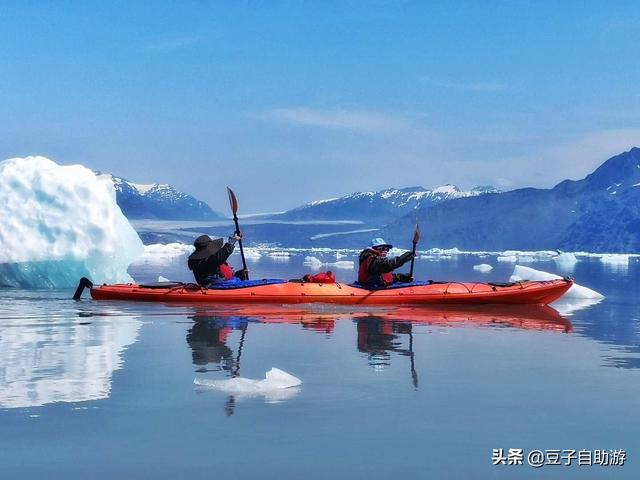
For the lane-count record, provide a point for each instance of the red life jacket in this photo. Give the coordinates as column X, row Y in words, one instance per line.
column 367, row 278
column 225, row 271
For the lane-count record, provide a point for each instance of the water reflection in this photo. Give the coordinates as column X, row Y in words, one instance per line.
column 61, row 359
column 207, row 339
column 378, row 337
column 381, row 332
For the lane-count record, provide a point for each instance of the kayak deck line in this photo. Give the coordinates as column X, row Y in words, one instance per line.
column 528, row 292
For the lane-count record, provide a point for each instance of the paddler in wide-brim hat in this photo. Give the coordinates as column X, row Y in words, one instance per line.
column 209, row 261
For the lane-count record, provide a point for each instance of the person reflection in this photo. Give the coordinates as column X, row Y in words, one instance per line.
column 207, row 339
column 378, row 337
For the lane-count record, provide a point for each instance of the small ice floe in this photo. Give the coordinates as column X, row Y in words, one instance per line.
column 167, row 250
column 444, row 251
column 163, row 279
column 483, row 268
column 565, row 260
column 316, row 263
column 251, row 253
column 160, row 254
column 279, row 254
column 340, row 255
column 507, row 258
column 615, row 258
column 277, row 385
column 576, row 292
column 396, row 252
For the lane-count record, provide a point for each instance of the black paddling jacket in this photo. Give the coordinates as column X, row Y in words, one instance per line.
column 211, row 265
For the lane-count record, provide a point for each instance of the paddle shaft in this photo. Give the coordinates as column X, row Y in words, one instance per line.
column 413, row 259
column 244, row 262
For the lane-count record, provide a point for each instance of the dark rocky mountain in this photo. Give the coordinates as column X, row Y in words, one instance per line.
column 600, row 213
column 159, row 201
column 379, row 207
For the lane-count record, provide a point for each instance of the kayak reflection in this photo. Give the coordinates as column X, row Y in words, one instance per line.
column 322, row 318
column 381, row 332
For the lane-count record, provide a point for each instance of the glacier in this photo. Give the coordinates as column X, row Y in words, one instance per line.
column 61, row 223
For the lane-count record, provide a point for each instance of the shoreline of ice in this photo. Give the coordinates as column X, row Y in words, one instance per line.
column 507, row 256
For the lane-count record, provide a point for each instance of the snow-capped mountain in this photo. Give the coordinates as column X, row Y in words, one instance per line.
column 159, row 201
column 600, row 213
column 382, row 205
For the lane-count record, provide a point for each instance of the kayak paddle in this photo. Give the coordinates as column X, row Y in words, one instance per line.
column 234, row 208
column 416, row 238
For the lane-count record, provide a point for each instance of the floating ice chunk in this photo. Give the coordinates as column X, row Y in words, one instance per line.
column 159, row 253
column 340, row 255
column 251, row 253
column 279, row 254
column 568, row 306
column 566, row 259
column 396, row 252
column 483, row 267
column 277, row 385
column 316, row 263
column 168, row 250
column 346, row 264
column 163, row 279
column 444, row 251
column 526, row 259
column 615, row 258
column 507, row 258
column 575, row 292
column 312, row 262
column 60, row 223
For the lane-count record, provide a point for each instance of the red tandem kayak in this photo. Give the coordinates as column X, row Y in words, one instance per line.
column 280, row 292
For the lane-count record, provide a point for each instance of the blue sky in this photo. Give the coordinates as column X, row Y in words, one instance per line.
column 294, row 101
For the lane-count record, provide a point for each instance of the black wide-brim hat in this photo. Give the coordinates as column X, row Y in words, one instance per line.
column 205, row 247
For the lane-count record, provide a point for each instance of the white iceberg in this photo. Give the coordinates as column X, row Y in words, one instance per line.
column 483, row 267
column 60, row 223
column 575, row 292
column 507, row 258
column 276, row 386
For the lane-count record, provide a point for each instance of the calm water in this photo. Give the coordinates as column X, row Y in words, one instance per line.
column 106, row 390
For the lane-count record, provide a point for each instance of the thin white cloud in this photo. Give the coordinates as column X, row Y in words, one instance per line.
column 338, row 119
column 467, row 86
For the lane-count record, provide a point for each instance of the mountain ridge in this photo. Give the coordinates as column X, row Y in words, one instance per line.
column 600, row 213
column 158, row 201
column 379, row 206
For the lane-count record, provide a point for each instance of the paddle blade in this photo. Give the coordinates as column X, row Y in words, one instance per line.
column 233, row 201
column 416, row 234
